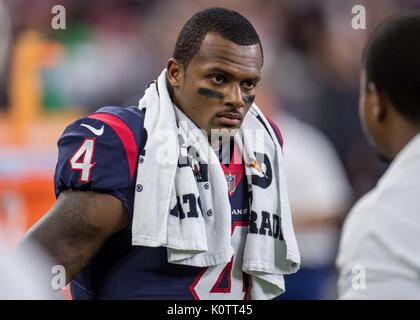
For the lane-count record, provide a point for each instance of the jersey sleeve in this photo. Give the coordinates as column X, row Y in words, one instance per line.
column 99, row 153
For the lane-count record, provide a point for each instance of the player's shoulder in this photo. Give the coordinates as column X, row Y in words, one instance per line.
column 130, row 115
column 99, row 152
column 118, row 118
column 110, row 122
column 110, row 130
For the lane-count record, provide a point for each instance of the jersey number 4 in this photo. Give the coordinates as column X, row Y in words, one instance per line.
column 82, row 159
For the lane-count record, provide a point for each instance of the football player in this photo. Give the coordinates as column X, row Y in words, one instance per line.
column 88, row 230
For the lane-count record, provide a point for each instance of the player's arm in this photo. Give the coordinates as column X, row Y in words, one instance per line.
column 76, row 227
column 313, row 219
column 93, row 182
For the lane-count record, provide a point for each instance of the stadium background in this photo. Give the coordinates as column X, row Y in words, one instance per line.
column 110, row 50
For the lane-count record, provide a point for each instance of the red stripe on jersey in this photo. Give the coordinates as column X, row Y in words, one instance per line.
column 125, row 135
column 278, row 131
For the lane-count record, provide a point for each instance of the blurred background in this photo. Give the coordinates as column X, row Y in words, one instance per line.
column 110, row 50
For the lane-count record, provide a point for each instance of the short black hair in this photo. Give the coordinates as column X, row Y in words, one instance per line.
column 391, row 60
column 229, row 24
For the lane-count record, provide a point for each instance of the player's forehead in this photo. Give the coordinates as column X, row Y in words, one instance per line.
column 217, row 52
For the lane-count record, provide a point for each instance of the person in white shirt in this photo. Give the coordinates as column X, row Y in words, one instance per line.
column 379, row 253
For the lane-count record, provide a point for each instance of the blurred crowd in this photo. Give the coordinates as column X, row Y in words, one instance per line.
column 110, row 50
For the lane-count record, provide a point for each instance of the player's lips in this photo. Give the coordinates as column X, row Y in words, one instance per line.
column 229, row 118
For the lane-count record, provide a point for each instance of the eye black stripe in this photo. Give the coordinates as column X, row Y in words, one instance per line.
column 210, row 93
column 248, row 99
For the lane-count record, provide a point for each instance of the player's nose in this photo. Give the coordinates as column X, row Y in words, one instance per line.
column 233, row 97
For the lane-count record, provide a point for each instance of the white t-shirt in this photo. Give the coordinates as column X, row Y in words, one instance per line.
column 317, row 184
column 379, row 253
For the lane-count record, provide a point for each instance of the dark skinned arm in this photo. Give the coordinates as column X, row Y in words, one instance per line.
column 313, row 219
column 76, row 227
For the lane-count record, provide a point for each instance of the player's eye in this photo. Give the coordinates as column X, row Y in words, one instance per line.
column 248, row 85
column 218, row 79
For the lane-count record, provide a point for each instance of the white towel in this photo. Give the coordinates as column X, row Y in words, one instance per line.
column 176, row 192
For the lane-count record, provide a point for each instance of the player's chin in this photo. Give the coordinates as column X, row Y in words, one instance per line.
column 224, row 130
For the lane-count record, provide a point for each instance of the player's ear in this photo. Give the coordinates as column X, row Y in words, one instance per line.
column 175, row 72
column 377, row 103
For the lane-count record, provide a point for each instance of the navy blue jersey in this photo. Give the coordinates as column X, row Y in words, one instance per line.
column 99, row 153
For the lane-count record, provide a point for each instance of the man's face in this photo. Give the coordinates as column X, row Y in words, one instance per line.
column 219, row 85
